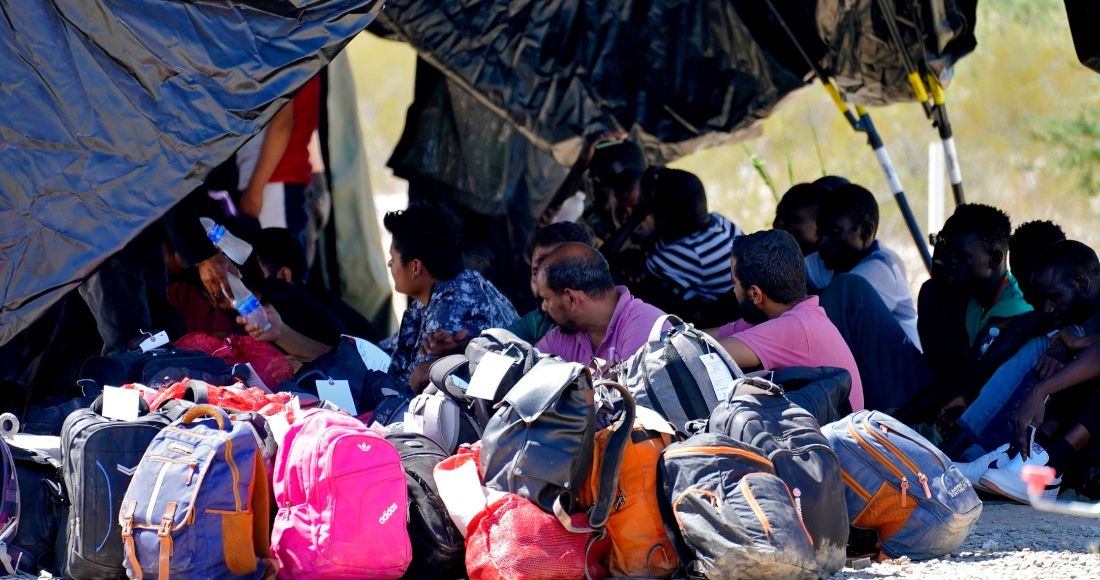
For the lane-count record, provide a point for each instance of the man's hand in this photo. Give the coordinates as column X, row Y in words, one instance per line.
column 1073, row 342
column 953, row 406
column 420, row 376
column 1047, row 366
column 252, row 201
column 214, row 273
column 592, row 141
column 273, row 333
column 441, row 342
column 1031, row 412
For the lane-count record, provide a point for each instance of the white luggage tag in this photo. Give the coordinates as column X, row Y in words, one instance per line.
column 154, row 341
column 490, row 371
column 121, row 404
column 339, row 393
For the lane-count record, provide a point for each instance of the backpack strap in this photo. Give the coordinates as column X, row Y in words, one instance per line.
column 655, row 332
column 612, row 460
column 164, row 532
column 217, row 413
column 128, row 539
column 197, row 392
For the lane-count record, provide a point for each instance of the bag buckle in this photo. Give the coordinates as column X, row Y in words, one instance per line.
column 127, row 526
column 165, row 527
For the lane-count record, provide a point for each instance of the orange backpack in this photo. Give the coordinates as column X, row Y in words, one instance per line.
column 639, row 544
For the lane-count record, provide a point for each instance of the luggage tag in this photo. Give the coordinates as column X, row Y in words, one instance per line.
column 653, row 421
column 720, row 377
column 339, row 393
column 413, row 423
column 121, row 404
column 154, row 341
column 279, row 427
column 490, row 371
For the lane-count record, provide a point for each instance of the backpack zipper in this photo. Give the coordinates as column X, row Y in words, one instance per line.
column 856, row 487
column 797, row 501
column 749, row 497
column 192, row 463
column 883, row 460
column 718, row 450
column 898, row 453
column 934, row 453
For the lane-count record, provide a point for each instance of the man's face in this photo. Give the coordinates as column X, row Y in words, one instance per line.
column 968, row 261
column 749, row 310
column 1061, row 297
column 841, row 241
column 558, row 306
column 537, row 256
column 402, row 276
column 801, row 224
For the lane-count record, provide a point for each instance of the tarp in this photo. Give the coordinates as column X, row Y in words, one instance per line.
column 678, row 74
column 111, row 111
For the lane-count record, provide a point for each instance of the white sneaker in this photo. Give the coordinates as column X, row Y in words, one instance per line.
column 974, row 470
column 1007, row 481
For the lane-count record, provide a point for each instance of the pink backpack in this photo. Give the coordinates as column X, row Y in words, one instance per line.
column 342, row 502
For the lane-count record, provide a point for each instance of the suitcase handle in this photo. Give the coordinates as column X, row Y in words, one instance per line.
column 217, row 413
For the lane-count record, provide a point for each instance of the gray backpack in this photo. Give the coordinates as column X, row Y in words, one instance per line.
column 681, row 373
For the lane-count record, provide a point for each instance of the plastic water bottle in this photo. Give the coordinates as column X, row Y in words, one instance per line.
column 993, row 334
column 247, row 305
column 572, row 209
column 233, row 247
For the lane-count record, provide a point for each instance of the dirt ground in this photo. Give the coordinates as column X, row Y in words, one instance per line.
column 1010, row 542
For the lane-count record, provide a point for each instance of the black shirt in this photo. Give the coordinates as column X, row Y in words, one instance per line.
column 302, row 312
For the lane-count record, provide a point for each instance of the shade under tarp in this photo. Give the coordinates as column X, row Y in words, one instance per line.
column 111, row 111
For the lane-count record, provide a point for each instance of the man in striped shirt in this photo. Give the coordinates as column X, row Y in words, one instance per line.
column 692, row 253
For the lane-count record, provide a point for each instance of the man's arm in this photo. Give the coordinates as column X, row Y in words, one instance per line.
column 291, row 341
column 1033, row 410
column 276, row 139
column 740, row 352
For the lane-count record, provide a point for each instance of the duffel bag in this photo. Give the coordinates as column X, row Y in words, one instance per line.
column 823, row 391
column 682, row 373
column 899, row 485
column 157, row 368
column 758, row 413
column 731, row 517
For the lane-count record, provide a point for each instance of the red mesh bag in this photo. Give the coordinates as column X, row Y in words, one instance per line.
column 270, row 365
column 235, row 398
column 515, row 540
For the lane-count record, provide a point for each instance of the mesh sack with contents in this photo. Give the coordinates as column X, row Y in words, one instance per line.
column 515, row 540
column 234, row 398
column 270, row 365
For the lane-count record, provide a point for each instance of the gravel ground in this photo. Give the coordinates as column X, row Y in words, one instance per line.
column 1010, row 542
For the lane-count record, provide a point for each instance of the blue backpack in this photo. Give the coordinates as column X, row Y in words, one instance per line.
column 197, row 506
column 900, row 486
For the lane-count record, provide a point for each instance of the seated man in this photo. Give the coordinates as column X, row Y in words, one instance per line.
column 847, row 222
column 781, row 326
column 1024, row 247
column 596, row 319
column 281, row 257
column 797, row 214
column 427, row 265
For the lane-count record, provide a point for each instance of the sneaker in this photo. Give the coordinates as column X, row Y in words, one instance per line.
column 974, row 470
column 1006, row 480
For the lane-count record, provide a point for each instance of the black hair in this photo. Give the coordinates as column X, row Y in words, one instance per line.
column 616, row 158
column 560, row 233
column 680, row 204
column 772, row 261
column 1068, row 257
column 1033, row 237
column 799, row 197
column 579, row 267
column 831, row 182
column 430, row 232
column 852, row 201
column 477, row 256
column 988, row 223
column 277, row 248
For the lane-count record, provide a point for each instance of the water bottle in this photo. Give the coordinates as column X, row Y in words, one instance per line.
column 233, row 247
column 572, row 209
column 993, row 334
column 247, row 305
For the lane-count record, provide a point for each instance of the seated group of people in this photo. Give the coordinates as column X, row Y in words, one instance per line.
column 973, row 372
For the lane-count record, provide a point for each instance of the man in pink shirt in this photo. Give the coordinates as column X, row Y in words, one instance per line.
column 781, row 326
column 596, row 319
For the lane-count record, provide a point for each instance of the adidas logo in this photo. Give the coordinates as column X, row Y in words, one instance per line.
column 386, row 514
column 127, row 471
column 364, row 447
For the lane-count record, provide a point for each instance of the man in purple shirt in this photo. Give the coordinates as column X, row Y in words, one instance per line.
column 596, row 319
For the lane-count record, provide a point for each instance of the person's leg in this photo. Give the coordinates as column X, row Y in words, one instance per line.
column 296, row 207
column 116, row 295
column 892, row 369
column 1001, row 387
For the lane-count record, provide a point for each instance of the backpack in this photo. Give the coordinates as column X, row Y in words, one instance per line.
column 822, row 391
column 42, row 503
column 197, row 506
column 99, row 457
column 899, row 485
column 757, row 413
column 438, row 547
column 640, row 547
column 369, row 387
column 157, row 368
column 669, row 376
column 9, row 511
column 342, row 499
column 443, row 412
column 502, row 342
column 539, row 444
column 729, row 515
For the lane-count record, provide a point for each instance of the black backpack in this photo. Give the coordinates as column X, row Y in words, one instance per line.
column 823, row 391
column 98, row 457
column 369, row 388
column 157, row 368
column 42, row 504
column 438, row 547
column 757, row 413
column 728, row 515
